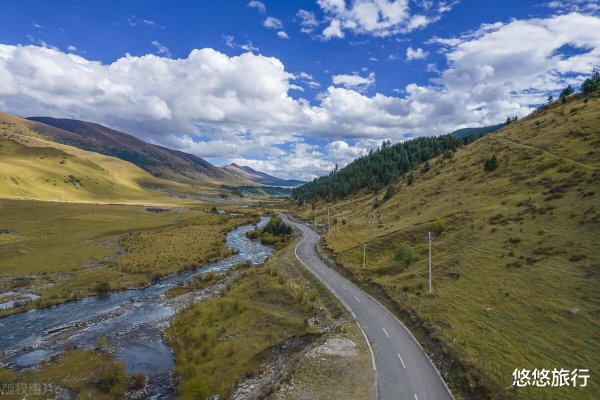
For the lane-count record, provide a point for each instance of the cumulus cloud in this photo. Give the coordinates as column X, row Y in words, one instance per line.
column 240, row 107
column 354, row 81
column 379, row 17
column 334, row 30
column 282, row 35
column 415, row 54
column 259, row 5
column 272, row 23
column 308, row 21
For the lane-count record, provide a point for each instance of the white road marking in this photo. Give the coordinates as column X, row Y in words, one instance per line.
column 357, row 299
column 416, row 398
column 333, row 279
column 344, row 287
column 401, row 360
column 386, row 334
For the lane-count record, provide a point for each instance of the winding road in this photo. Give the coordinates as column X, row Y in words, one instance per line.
column 402, row 369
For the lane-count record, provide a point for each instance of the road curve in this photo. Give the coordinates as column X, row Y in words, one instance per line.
column 403, row 370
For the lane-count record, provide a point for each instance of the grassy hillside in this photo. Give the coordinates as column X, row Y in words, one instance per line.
column 31, row 167
column 160, row 161
column 516, row 265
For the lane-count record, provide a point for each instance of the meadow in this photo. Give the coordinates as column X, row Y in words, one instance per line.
column 86, row 374
column 516, row 264
column 65, row 251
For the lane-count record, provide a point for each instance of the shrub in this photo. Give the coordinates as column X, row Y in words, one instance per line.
column 404, row 254
column 138, row 381
column 410, row 178
column 440, row 225
column 566, row 92
column 490, row 164
column 102, row 287
column 389, row 193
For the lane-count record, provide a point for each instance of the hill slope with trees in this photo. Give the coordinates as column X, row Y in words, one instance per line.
column 516, row 266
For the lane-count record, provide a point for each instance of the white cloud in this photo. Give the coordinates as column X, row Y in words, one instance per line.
column 334, row 30
column 354, row 81
column 71, row 48
column 380, row 17
column 161, row 49
column 247, row 46
column 272, row 23
column 282, row 35
column 308, row 21
column 574, row 5
column 135, row 21
column 307, row 79
column 415, row 54
column 259, row 5
column 241, row 108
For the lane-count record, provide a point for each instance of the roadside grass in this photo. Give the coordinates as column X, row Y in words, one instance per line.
column 516, row 264
column 69, row 250
column 85, row 373
column 261, row 316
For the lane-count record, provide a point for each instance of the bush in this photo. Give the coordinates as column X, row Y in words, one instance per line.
column 490, row 164
column 102, row 287
column 410, row 178
column 389, row 193
column 440, row 225
column 565, row 93
column 138, row 381
column 404, row 254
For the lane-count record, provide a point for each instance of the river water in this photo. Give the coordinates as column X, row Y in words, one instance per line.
column 131, row 320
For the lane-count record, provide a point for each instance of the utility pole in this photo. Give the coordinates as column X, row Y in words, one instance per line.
column 429, row 240
column 364, row 255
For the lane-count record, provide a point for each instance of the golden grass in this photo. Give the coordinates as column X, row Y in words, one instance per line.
column 34, row 168
column 517, row 266
column 67, row 248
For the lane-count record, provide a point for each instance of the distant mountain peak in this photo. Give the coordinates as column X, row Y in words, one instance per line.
column 249, row 173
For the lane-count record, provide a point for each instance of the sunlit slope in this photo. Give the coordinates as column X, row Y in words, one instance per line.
column 31, row 167
column 515, row 258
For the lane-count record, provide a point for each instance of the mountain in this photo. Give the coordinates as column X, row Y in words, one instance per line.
column 35, row 168
column 250, row 174
column 481, row 131
column 160, row 161
column 515, row 219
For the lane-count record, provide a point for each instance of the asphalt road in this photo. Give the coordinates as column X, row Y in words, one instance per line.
column 403, row 370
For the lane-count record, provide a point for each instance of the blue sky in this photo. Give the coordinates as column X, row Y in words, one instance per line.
column 290, row 87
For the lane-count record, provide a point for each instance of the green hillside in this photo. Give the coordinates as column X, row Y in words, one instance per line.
column 516, row 265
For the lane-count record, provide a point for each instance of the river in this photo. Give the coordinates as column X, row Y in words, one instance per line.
column 131, row 320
